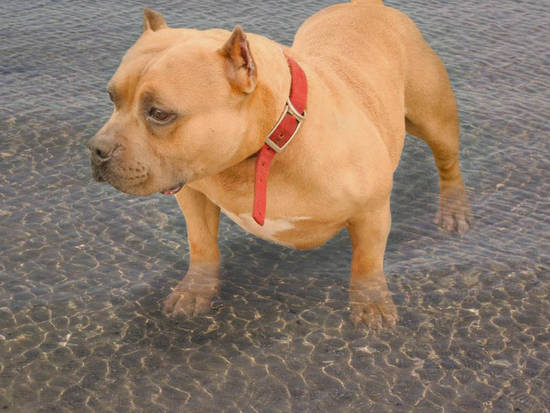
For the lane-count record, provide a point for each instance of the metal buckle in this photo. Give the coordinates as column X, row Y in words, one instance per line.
column 289, row 110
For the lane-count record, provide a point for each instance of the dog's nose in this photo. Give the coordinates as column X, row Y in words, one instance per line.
column 101, row 149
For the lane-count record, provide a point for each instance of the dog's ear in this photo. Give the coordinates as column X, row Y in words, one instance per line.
column 240, row 68
column 153, row 20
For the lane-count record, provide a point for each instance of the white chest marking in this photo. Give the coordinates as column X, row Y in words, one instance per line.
column 269, row 230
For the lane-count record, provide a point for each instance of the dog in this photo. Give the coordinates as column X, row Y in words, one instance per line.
column 291, row 143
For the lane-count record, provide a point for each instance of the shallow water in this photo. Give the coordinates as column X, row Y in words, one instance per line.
column 84, row 268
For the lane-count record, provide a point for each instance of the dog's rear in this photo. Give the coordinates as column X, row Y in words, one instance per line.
column 387, row 70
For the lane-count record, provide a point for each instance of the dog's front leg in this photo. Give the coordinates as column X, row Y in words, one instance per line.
column 193, row 295
column 371, row 301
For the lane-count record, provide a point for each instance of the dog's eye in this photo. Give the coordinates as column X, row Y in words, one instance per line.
column 111, row 97
column 160, row 116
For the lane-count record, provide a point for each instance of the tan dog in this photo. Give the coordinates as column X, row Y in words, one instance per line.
column 193, row 108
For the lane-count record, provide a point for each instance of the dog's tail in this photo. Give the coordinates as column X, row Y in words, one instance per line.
column 368, row 1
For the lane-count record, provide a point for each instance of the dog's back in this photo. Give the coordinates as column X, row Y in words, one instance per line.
column 379, row 54
column 363, row 43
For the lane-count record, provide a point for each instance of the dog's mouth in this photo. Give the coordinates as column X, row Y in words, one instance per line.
column 128, row 184
column 174, row 190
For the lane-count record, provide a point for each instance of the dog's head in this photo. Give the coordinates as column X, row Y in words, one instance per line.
column 180, row 113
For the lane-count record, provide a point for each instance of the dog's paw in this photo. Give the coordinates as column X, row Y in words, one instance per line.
column 372, row 304
column 454, row 212
column 192, row 296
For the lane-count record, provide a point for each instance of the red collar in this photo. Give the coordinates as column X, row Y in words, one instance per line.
column 280, row 136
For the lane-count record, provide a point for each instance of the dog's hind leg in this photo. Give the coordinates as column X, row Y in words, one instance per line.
column 431, row 115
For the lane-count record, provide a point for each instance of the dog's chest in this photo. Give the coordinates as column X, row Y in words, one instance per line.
column 271, row 228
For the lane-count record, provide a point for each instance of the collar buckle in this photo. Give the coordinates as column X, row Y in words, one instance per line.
column 292, row 111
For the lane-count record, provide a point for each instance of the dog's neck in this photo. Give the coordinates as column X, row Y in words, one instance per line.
column 268, row 100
